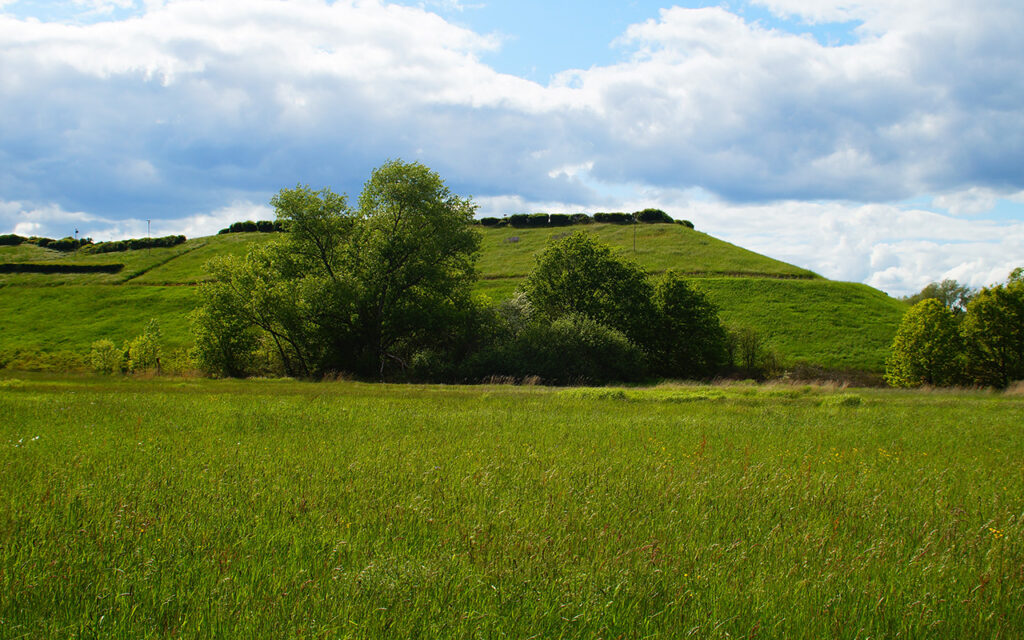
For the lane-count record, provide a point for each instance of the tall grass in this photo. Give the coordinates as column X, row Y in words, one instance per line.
column 248, row 509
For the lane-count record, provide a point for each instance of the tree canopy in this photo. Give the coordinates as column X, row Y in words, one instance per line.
column 384, row 290
column 347, row 290
column 983, row 344
column 926, row 347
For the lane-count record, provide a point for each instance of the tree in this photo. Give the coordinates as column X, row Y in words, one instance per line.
column 359, row 290
column 953, row 295
column 104, row 356
column 993, row 330
column 927, row 348
column 690, row 340
column 414, row 262
column 579, row 275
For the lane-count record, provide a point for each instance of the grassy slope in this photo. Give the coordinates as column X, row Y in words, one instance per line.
column 71, row 318
column 197, row 509
column 659, row 247
column 802, row 315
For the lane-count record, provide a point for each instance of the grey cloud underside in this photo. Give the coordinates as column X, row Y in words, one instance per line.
column 708, row 101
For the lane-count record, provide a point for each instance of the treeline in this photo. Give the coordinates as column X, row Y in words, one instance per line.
column 250, row 226
column 64, row 244
column 50, row 267
column 88, row 246
column 135, row 244
column 955, row 336
column 542, row 220
column 516, row 220
column 384, row 290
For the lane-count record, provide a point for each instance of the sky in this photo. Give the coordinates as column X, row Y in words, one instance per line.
column 871, row 141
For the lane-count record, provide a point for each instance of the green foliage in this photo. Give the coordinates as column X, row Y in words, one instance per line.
column 953, row 295
column 259, row 226
column 135, row 244
column 689, row 341
column 11, row 240
column 571, row 349
column 355, row 291
column 560, row 220
column 614, row 218
column 652, row 216
column 64, row 245
column 105, row 357
column 579, row 275
column 143, row 352
column 993, row 329
column 225, row 341
column 927, row 348
column 748, row 352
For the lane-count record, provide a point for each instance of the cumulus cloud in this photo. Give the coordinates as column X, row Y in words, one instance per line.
column 190, row 106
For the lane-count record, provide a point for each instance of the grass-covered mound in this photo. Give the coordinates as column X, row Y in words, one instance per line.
column 803, row 316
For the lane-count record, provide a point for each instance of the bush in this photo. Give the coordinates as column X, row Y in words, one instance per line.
column 653, row 216
column 519, row 220
column 581, row 218
column 578, row 274
column 573, row 349
column 64, row 245
column 104, row 357
column 135, row 244
column 490, row 222
column 927, row 348
column 750, row 356
column 537, row 220
column 11, row 240
column 614, row 218
column 144, row 350
column 685, row 223
column 559, row 220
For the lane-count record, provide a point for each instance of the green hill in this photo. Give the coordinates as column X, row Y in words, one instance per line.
column 805, row 317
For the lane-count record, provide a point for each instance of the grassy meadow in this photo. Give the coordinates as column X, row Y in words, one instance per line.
column 197, row 508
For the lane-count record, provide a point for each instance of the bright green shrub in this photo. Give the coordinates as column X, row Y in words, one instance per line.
column 104, row 357
column 927, row 348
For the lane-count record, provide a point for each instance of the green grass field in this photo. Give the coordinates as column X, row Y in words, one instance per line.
column 804, row 317
column 198, row 508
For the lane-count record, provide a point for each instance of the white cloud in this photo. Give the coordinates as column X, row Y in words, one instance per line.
column 193, row 105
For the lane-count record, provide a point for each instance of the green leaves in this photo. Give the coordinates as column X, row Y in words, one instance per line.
column 927, row 347
column 359, row 291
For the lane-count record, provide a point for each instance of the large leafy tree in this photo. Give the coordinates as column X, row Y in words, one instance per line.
column 580, row 275
column 993, row 330
column 690, row 340
column 414, row 263
column 927, row 348
column 348, row 290
column 674, row 325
